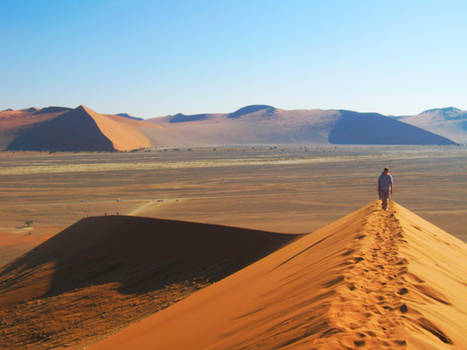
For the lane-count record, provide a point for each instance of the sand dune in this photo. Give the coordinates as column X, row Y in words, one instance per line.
column 449, row 122
column 260, row 124
column 15, row 122
column 82, row 129
column 104, row 272
column 376, row 129
column 248, row 125
column 372, row 279
column 124, row 133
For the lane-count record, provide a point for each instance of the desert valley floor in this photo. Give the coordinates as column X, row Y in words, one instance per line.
column 282, row 189
column 277, row 189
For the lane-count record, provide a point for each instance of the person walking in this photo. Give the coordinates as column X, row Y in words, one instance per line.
column 385, row 186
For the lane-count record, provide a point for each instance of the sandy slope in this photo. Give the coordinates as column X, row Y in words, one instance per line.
column 103, row 272
column 124, row 133
column 372, row 279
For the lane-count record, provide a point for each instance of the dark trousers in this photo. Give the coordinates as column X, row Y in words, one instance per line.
column 384, row 196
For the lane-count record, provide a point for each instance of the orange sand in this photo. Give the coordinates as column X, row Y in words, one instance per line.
column 372, row 279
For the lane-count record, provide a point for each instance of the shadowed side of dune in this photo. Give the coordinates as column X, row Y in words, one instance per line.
column 267, row 110
column 102, row 273
column 376, row 129
column 15, row 123
column 72, row 131
column 141, row 254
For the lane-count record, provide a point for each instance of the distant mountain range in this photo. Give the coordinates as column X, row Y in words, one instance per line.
column 82, row 129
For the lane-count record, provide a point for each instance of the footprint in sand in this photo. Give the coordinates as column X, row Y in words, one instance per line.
column 403, row 291
column 433, row 293
column 403, row 308
column 359, row 343
column 430, row 327
column 348, row 252
column 410, row 277
column 400, row 342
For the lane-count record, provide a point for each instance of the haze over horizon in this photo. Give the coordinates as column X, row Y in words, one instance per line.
column 158, row 58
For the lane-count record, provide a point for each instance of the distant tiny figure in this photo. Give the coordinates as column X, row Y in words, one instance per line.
column 385, row 185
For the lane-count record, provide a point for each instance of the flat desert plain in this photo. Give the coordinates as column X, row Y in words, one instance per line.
column 286, row 189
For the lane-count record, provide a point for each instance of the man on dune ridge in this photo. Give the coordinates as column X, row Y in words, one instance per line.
column 385, row 184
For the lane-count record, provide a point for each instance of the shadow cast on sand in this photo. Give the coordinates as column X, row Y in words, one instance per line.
column 141, row 254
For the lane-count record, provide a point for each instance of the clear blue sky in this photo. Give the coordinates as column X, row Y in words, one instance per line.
column 152, row 58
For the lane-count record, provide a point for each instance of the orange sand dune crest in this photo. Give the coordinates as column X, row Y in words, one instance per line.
column 372, row 279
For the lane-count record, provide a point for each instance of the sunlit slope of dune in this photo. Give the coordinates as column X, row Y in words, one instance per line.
column 124, row 133
column 372, row 279
column 103, row 272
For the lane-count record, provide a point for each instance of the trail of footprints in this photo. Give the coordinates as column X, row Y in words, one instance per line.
column 376, row 279
column 372, row 310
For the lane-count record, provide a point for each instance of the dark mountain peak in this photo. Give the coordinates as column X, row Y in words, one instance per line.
column 8, row 110
column 180, row 117
column 251, row 109
column 30, row 109
column 52, row 109
column 128, row 116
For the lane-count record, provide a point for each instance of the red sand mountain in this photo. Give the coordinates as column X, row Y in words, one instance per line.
column 372, row 279
column 261, row 124
column 82, row 129
column 103, row 272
